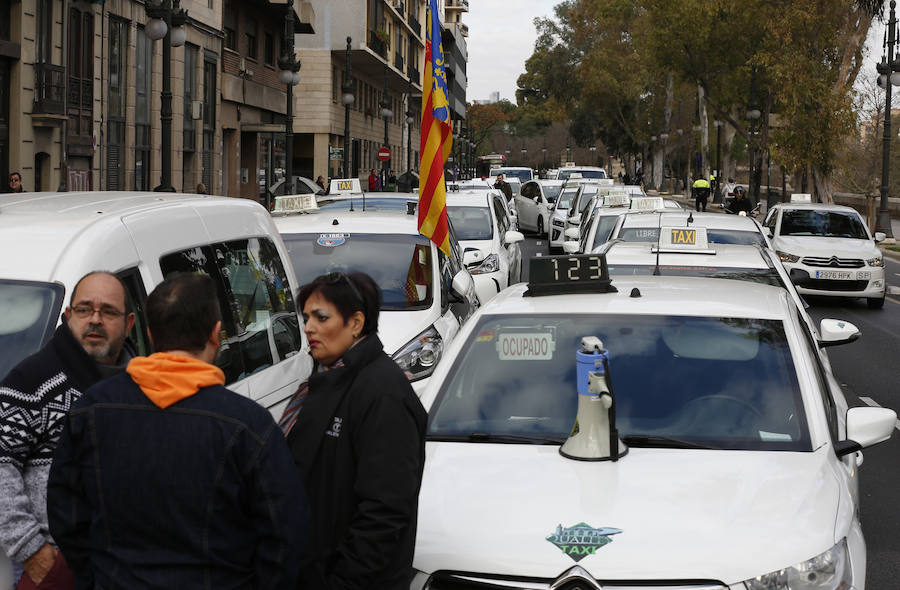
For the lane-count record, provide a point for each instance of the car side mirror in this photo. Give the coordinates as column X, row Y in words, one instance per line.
column 471, row 257
column 462, row 284
column 571, row 247
column 573, row 233
column 836, row 332
column 866, row 427
column 880, row 236
column 768, row 231
column 512, row 237
column 575, row 219
column 320, row 192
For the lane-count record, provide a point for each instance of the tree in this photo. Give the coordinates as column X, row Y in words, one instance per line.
column 483, row 120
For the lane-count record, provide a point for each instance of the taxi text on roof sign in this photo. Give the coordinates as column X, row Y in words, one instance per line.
column 801, row 198
column 647, row 203
column 690, row 239
column 345, row 186
column 295, row 204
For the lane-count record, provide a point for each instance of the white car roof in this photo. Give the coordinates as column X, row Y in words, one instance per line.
column 357, row 221
column 726, row 256
column 469, row 199
column 816, row 207
column 679, row 218
column 660, row 295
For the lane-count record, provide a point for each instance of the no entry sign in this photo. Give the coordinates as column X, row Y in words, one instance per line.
column 384, row 154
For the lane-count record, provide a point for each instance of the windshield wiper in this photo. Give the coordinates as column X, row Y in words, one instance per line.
column 661, row 442
column 496, row 438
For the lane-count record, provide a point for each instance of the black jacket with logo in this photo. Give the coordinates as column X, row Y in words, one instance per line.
column 359, row 443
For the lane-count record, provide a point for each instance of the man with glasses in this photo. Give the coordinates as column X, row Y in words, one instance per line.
column 15, row 183
column 88, row 346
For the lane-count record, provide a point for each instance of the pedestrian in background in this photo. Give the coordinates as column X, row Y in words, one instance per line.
column 392, row 181
column 198, row 487
column 357, row 434
column 320, row 181
column 89, row 345
column 201, row 189
column 15, row 183
column 700, row 189
column 503, row 187
column 373, row 180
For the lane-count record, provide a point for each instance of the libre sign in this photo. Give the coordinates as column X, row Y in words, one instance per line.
column 384, row 154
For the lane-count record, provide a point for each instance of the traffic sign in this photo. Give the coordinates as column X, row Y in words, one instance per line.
column 384, row 154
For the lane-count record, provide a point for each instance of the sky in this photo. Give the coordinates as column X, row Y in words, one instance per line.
column 501, row 38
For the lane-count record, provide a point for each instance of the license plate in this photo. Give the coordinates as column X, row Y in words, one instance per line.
column 863, row 275
column 836, row 275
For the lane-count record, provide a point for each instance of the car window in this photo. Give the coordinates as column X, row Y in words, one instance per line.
column 29, row 311
column 605, row 225
column 253, row 292
column 551, row 192
column 726, row 382
column 530, row 190
column 825, row 223
column 566, row 197
column 564, row 174
column 500, row 213
column 401, row 264
column 471, row 223
column 137, row 297
column 764, row 276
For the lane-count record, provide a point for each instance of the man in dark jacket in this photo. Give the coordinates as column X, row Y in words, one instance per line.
column 360, row 444
column 198, row 487
column 89, row 345
column 503, row 186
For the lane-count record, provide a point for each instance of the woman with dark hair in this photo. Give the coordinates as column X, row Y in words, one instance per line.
column 357, row 434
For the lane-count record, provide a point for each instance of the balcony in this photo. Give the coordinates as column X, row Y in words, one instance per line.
column 399, row 6
column 463, row 29
column 377, row 44
column 414, row 24
column 398, row 61
column 414, row 74
column 49, row 89
column 462, row 5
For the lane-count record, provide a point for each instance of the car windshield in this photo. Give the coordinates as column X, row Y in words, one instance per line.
column 399, row 263
column 727, row 383
column 551, row 192
column 28, row 314
column 713, row 236
column 522, row 175
column 471, row 223
column 566, row 197
column 564, row 174
column 605, row 225
column 765, row 276
column 829, row 224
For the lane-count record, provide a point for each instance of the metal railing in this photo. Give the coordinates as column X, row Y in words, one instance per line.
column 398, row 61
column 49, row 89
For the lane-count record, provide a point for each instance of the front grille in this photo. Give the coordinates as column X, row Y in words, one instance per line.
column 463, row 581
column 833, row 262
column 830, row 285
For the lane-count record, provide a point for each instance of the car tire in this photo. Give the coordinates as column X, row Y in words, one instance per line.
column 540, row 226
column 875, row 302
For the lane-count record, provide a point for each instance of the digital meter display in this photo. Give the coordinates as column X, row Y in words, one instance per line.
column 568, row 274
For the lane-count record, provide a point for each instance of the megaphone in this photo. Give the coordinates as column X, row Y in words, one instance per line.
column 594, row 436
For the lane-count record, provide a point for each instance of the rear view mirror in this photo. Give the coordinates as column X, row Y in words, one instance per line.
column 835, row 332
column 512, row 236
column 570, row 247
column 471, row 257
column 866, row 427
column 573, row 233
column 462, row 284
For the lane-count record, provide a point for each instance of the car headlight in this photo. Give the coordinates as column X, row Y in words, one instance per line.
column 489, row 264
column 828, row 571
column 420, row 355
column 785, row 257
column 559, row 222
column 875, row 261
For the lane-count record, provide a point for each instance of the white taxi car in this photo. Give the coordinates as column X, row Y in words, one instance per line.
column 427, row 296
column 489, row 240
column 720, row 229
column 597, row 224
column 828, row 250
column 521, row 173
column 534, row 207
column 560, row 213
column 633, row 435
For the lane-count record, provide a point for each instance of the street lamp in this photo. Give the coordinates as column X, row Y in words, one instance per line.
column 753, row 115
column 290, row 77
column 410, row 119
column 386, row 114
column 524, row 152
column 717, row 196
column 665, row 139
column 167, row 20
column 889, row 67
column 347, row 99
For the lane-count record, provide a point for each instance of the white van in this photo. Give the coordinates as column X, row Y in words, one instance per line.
column 50, row 240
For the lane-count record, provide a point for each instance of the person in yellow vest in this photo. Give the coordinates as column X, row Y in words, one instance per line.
column 700, row 190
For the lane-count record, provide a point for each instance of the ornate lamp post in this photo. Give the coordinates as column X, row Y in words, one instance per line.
column 717, row 196
column 593, row 149
column 347, row 99
column 290, row 76
column 386, row 114
column 167, row 20
column 889, row 75
column 410, row 119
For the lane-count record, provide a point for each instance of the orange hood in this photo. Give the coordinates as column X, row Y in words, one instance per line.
column 169, row 378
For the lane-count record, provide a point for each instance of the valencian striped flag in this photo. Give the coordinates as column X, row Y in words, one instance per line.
column 437, row 139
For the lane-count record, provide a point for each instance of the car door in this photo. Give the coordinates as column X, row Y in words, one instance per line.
column 510, row 254
column 527, row 208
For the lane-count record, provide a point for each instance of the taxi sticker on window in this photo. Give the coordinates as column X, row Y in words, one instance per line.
column 331, row 240
column 526, row 346
column 486, row 336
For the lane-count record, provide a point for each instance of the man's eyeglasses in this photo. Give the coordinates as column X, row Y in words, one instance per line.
column 336, row 277
column 84, row 312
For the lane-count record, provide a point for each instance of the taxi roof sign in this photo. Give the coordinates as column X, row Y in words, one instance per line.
column 345, row 186
column 647, row 203
column 801, row 198
column 616, row 200
column 295, row 204
column 687, row 239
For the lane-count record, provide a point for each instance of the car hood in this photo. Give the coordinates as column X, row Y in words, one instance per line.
column 824, row 247
column 396, row 328
column 683, row 514
column 486, row 247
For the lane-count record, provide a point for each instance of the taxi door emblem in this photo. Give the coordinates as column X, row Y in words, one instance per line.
column 582, row 539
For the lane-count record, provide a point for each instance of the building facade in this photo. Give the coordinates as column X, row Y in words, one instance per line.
column 80, row 95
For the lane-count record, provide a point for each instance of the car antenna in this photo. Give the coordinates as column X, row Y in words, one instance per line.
column 690, row 218
column 658, row 236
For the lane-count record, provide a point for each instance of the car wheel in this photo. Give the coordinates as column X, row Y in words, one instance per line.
column 875, row 302
column 540, row 228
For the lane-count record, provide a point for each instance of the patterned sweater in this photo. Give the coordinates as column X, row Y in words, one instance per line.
column 34, row 400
